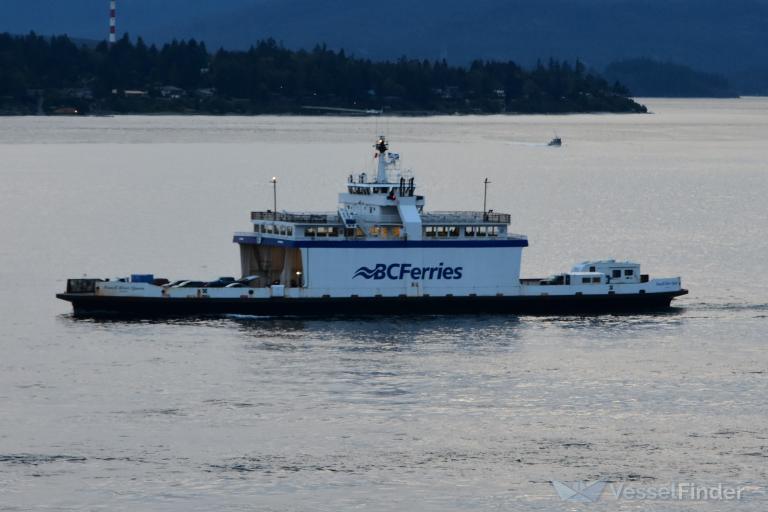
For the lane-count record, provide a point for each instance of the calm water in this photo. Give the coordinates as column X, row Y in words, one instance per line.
column 429, row 414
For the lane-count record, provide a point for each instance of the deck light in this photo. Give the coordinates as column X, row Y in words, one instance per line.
column 274, row 197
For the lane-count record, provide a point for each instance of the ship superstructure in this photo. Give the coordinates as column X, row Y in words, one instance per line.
column 380, row 242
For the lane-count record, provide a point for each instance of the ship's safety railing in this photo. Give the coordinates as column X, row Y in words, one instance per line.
column 298, row 218
column 459, row 217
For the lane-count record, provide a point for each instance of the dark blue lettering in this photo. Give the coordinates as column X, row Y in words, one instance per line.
column 399, row 271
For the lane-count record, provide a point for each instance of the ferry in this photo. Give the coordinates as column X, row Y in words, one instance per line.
column 380, row 253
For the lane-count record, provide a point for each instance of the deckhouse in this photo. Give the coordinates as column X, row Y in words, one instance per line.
column 381, row 241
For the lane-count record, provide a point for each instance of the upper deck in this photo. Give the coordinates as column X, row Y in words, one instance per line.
column 448, row 224
column 454, row 217
column 271, row 227
column 380, row 208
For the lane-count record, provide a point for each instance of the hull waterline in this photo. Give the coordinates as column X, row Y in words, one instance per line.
column 92, row 305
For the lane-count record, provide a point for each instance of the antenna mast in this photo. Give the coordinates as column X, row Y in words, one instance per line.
column 112, row 22
column 485, row 199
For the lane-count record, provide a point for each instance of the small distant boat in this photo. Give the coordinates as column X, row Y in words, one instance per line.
column 66, row 111
column 347, row 111
column 556, row 142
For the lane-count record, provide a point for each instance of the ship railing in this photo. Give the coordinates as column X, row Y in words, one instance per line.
column 298, row 218
column 467, row 217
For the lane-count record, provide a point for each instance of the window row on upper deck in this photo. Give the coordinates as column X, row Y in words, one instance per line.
column 377, row 231
column 456, row 231
column 396, row 190
column 353, row 189
column 274, row 229
column 313, row 231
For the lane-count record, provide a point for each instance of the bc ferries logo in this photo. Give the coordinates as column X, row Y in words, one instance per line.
column 397, row 271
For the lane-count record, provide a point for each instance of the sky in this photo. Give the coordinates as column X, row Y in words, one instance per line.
column 713, row 35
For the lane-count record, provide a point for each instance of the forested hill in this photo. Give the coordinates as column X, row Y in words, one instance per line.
column 54, row 74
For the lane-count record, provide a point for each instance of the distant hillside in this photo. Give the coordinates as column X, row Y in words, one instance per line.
column 651, row 78
column 727, row 37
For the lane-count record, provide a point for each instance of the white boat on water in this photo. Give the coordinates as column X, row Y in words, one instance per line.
column 380, row 252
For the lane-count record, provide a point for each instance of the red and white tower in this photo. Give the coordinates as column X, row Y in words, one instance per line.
column 112, row 21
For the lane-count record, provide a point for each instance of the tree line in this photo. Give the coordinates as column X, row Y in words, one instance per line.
column 184, row 76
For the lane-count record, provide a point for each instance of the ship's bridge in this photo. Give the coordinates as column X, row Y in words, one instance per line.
column 388, row 198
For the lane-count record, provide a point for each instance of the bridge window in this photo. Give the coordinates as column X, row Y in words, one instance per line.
column 596, row 280
column 629, row 272
column 586, row 280
column 616, row 273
